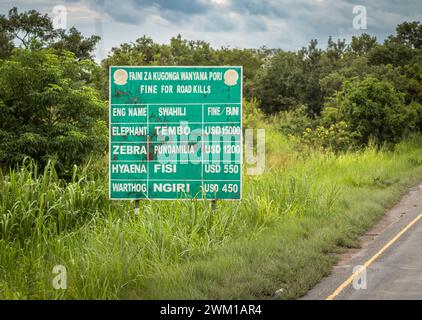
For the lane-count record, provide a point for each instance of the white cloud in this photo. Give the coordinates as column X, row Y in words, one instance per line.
column 287, row 24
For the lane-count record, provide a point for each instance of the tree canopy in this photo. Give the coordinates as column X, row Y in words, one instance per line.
column 33, row 30
column 47, row 111
column 53, row 95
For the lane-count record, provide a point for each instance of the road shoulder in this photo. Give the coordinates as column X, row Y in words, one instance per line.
column 392, row 222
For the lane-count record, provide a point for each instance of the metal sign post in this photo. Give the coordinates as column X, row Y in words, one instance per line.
column 136, row 208
column 214, row 205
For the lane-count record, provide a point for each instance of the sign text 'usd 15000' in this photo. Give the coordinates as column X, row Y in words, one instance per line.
column 175, row 132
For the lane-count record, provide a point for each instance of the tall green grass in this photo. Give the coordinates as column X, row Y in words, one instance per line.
column 281, row 234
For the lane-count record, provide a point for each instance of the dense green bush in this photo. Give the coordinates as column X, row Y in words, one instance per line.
column 47, row 111
column 336, row 137
column 374, row 110
column 253, row 117
column 293, row 122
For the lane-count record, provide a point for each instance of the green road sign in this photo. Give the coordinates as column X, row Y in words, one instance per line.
column 175, row 133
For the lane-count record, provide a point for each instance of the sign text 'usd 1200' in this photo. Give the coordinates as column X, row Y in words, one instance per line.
column 175, row 132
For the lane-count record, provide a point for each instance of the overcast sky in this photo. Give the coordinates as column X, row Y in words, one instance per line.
column 286, row 24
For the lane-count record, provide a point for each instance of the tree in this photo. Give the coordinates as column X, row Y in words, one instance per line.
column 6, row 44
column 336, row 50
column 374, row 110
column 31, row 29
column 291, row 79
column 75, row 42
column 191, row 52
column 250, row 59
column 410, row 33
column 401, row 49
column 362, row 44
column 311, row 69
column 355, row 68
column 47, row 111
column 281, row 83
column 391, row 52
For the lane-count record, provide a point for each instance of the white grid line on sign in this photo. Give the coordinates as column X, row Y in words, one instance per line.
column 177, row 179
column 148, row 134
column 169, row 104
column 178, row 161
column 176, row 123
column 202, row 146
column 175, row 142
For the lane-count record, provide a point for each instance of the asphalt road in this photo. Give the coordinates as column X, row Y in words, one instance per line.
column 392, row 251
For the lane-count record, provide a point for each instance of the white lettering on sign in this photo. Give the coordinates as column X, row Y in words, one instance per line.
column 167, row 89
column 160, row 76
column 232, row 111
column 171, row 131
column 119, row 112
column 227, row 130
column 214, row 148
column 129, row 131
column 128, row 168
column 171, row 187
column 193, row 89
column 148, row 88
column 194, row 75
column 135, row 75
column 172, row 111
column 129, row 187
column 212, row 168
column 215, row 76
column 166, row 168
column 129, row 150
column 174, row 149
column 214, row 111
column 211, row 187
column 138, row 112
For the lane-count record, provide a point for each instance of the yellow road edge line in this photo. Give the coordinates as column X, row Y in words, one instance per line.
column 349, row 280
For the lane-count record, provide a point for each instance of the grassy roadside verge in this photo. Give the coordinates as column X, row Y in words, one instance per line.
column 340, row 198
column 283, row 234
